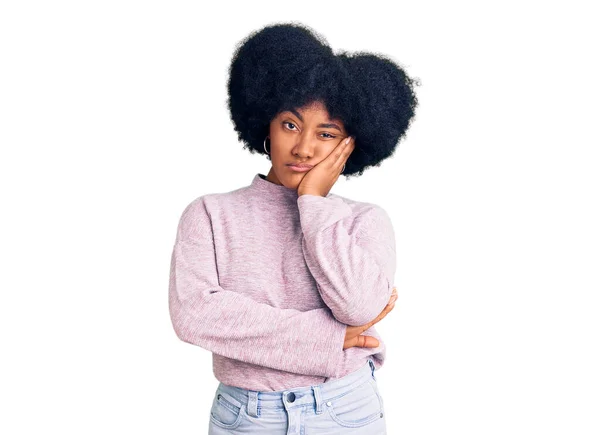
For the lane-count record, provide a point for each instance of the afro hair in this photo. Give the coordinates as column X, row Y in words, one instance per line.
column 284, row 66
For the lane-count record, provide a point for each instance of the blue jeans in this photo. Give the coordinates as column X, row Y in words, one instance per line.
column 349, row 405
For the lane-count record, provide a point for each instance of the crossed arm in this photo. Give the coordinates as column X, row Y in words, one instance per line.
column 353, row 274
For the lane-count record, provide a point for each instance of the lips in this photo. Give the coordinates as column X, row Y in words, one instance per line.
column 300, row 165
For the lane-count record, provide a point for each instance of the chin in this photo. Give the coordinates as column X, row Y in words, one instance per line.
column 292, row 180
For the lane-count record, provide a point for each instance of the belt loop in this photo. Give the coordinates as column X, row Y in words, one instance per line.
column 372, row 364
column 253, row 403
column 317, row 394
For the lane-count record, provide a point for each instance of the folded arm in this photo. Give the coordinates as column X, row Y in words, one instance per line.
column 353, row 259
column 234, row 325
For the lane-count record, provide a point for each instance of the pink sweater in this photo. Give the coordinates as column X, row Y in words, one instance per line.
column 268, row 280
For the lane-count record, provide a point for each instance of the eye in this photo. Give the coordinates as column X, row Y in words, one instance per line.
column 287, row 122
column 330, row 136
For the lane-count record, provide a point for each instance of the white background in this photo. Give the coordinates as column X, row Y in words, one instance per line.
column 113, row 118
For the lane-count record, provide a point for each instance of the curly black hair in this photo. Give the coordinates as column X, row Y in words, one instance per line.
column 289, row 65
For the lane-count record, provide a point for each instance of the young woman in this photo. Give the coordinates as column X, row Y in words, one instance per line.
column 280, row 279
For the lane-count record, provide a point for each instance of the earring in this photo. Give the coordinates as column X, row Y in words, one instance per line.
column 265, row 147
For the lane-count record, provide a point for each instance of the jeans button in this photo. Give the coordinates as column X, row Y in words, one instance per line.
column 291, row 397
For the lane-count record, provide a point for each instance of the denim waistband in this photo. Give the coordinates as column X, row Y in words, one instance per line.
column 300, row 396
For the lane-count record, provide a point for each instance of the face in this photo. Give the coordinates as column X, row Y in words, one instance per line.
column 305, row 135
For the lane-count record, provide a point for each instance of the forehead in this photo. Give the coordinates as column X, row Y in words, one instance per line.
column 316, row 111
column 316, row 108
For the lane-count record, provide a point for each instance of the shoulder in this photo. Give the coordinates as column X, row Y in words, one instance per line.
column 199, row 214
column 213, row 202
column 197, row 206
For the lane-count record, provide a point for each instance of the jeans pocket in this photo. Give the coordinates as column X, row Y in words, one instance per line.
column 357, row 407
column 226, row 411
column 376, row 388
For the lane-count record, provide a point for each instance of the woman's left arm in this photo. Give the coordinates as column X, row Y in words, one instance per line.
column 352, row 260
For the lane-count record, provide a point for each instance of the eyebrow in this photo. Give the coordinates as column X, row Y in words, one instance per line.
column 324, row 125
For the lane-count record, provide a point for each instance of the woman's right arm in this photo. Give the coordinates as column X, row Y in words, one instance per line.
column 233, row 325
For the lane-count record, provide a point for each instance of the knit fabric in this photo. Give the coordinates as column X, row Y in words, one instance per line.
column 268, row 281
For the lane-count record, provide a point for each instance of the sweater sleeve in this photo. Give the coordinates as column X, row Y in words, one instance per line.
column 353, row 259
column 236, row 326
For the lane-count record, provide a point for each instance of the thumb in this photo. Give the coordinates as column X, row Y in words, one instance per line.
column 367, row 341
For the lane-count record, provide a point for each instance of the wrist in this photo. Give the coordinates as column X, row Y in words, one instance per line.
column 309, row 192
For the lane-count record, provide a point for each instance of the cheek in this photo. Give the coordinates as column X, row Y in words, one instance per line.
column 322, row 152
column 281, row 144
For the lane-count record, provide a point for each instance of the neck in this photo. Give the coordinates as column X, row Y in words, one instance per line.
column 273, row 178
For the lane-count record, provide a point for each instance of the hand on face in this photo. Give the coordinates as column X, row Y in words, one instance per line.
column 321, row 178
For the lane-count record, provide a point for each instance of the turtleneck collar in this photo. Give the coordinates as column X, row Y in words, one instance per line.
column 262, row 186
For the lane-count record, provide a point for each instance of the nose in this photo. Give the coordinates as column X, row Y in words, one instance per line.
column 305, row 146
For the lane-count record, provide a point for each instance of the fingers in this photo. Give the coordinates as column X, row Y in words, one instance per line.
column 391, row 304
column 394, row 296
column 381, row 315
column 385, row 311
column 366, row 340
column 348, row 147
column 342, row 152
